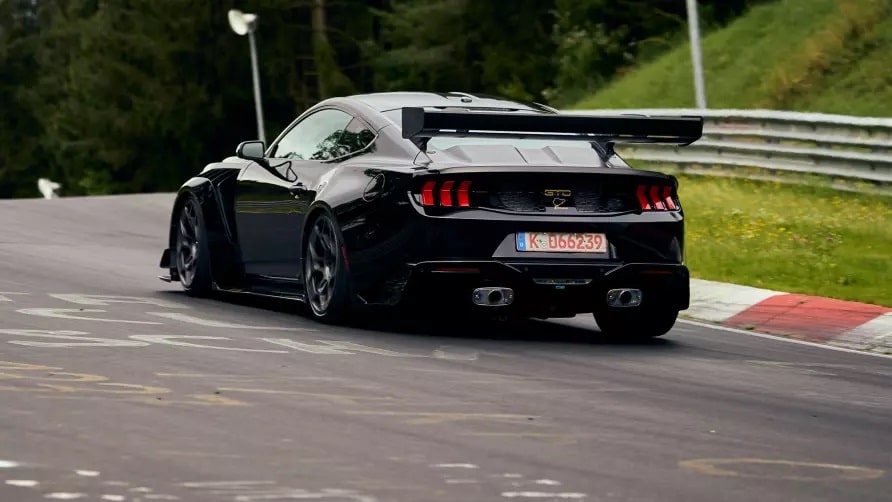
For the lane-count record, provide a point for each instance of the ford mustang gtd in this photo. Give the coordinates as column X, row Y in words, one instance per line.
column 465, row 203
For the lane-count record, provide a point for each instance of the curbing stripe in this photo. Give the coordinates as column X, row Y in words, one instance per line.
column 872, row 335
column 719, row 301
column 837, row 323
column 806, row 317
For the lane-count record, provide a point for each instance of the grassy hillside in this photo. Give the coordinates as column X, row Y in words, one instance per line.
column 827, row 56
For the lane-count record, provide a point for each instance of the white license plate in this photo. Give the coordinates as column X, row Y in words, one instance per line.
column 551, row 242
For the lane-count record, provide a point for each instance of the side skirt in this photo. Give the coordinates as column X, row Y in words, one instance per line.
column 265, row 288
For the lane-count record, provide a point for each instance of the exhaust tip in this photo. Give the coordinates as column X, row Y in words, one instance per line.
column 624, row 297
column 493, row 296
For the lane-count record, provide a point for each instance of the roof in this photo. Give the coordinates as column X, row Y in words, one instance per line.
column 384, row 101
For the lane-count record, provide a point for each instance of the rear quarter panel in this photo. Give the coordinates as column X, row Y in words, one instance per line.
column 371, row 204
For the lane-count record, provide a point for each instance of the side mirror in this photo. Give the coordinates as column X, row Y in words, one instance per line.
column 251, row 150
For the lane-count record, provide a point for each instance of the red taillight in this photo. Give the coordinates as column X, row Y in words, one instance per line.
column 667, row 198
column 642, row 198
column 446, row 194
column 427, row 193
column 464, row 194
column 656, row 198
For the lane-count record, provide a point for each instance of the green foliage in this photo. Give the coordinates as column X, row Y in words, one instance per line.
column 831, row 59
column 20, row 147
column 460, row 45
column 111, row 97
column 414, row 54
column 332, row 81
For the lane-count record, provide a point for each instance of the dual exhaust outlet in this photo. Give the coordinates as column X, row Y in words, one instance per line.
column 493, row 296
column 497, row 296
column 624, row 297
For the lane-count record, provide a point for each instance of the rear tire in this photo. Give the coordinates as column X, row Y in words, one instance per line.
column 192, row 253
column 325, row 271
column 635, row 323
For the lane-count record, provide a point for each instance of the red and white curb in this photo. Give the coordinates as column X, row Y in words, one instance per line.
column 839, row 323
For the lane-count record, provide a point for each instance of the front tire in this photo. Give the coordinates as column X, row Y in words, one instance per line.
column 635, row 323
column 325, row 271
column 193, row 257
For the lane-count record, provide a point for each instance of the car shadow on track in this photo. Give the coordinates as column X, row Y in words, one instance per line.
column 528, row 330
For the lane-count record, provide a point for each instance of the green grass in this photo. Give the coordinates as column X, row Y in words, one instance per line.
column 827, row 56
column 795, row 238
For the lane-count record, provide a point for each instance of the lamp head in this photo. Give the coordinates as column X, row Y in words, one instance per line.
column 242, row 23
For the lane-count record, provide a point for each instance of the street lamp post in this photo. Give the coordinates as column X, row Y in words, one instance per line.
column 245, row 24
column 696, row 56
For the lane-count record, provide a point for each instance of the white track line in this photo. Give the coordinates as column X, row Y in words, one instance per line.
column 783, row 338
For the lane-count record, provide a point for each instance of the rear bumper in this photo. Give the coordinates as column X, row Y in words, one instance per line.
column 542, row 289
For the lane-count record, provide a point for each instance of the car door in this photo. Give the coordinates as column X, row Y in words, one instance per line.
column 272, row 201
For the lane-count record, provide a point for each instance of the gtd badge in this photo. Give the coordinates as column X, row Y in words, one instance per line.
column 559, row 197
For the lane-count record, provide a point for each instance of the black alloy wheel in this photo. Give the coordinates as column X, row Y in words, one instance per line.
column 192, row 254
column 325, row 271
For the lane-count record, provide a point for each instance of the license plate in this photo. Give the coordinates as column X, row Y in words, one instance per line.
column 551, row 242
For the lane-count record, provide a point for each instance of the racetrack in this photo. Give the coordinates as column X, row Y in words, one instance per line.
column 147, row 394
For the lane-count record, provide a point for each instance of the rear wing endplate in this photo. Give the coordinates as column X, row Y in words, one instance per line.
column 419, row 123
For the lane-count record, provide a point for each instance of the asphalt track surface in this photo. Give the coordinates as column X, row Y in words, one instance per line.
column 116, row 386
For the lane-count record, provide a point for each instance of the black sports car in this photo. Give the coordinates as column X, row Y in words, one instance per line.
column 446, row 202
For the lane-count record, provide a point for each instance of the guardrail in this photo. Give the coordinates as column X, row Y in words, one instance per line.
column 836, row 146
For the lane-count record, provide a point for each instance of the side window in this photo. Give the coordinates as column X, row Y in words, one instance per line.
column 315, row 137
column 355, row 137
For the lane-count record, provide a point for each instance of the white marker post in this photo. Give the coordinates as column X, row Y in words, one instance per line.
column 696, row 56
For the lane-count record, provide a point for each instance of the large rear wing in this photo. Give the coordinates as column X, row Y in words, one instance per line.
column 419, row 123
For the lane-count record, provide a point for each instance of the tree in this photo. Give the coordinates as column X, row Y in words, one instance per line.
column 115, row 96
column 22, row 159
column 330, row 80
column 458, row 45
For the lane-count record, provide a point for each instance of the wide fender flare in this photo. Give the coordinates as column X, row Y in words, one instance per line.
column 203, row 190
column 221, row 248
column 318, row 208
